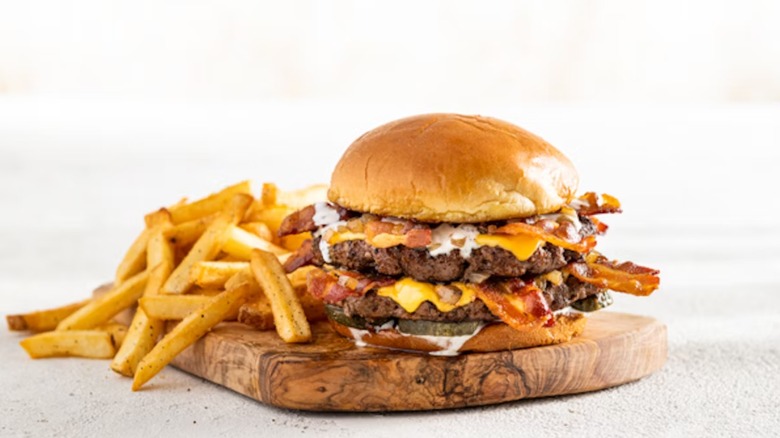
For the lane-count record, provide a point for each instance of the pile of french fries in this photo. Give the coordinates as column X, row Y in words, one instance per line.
column 199, row 263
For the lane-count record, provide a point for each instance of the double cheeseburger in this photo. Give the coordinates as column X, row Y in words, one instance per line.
column 448, row 233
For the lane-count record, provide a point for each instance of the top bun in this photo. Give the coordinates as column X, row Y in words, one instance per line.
column 452, row 168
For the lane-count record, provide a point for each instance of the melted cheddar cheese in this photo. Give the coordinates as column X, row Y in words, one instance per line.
column 410, row 294
column 521, row 246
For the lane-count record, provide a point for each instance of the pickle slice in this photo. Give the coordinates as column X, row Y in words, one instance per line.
column 434, row 328
column 593, row 302
column 337, row 314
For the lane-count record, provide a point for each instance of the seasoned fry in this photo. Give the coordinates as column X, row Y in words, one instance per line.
column 104, row 308
column 257, row 314
column 187, row 233
column 135, row 258
column 189, row 330
column 290, row 321
column 117, row 331
column 215, row 274
column 208, row 245
column 268, row 194
column 172, row 307
column 241, row 244
column 42, row 320
column 209, row 205
column 260, row 229
column 144, row 330
column 271, row 216
column 297, row 199
column 96, row 344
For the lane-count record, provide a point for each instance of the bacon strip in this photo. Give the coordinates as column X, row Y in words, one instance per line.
column 518, row 228
column 335, row 286
column 621, row 277
column 326, row 287
column 382, row 234
column 302, row 257
column 588, row 204
column 302, row 220
column 298, row 222
column 522, row 308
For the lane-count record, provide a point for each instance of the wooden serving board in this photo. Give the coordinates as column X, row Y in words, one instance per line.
column 331, row 374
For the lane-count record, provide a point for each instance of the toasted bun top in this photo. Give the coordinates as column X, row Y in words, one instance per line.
column 452, row 168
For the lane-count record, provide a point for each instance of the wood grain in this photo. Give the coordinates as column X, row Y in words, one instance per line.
column 331, row 374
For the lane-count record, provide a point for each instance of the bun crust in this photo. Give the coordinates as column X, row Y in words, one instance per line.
column 452, row 168
column 494, row 337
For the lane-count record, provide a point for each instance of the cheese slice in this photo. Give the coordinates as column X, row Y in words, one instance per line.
column 410, row 294
column 523, row 247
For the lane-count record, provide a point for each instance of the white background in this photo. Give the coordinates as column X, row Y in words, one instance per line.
column 109, row 110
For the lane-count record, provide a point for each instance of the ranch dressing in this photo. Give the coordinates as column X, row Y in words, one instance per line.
column 445, row 236
column 324, row 214
column 449, row 345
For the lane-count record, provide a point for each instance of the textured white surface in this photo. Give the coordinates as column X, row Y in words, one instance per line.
column 697, row 185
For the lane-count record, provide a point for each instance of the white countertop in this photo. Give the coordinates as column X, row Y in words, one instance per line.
column 697, row 184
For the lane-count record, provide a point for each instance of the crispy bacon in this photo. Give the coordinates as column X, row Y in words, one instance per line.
column 588, row 204
column 302, row 220
column 521, row 306
column 298, row 222
column 326, row 287
column 621, row 277
column 335, row 286
column 547, row 232
column 382, row 234
column 302, row 257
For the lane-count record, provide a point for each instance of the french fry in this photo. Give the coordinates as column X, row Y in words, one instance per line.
column 172, row 307
column 215, row 274
column 209, row 205
column 209, row 244
column 290, row 321
column 117, row 331
column 134, row 260
column 187, row 233
column 269, row 215
column 298, row 277
column 297, row 199
column 189, row 330
column 294, row 199
column 268, row 194
column 241, row 243
column 257, row 314
column 42, row 320
column 96, row 344
column 144, row 330
column 259, row 229
column 102, row 309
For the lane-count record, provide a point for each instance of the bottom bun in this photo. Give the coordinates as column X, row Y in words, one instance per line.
column 492, row 337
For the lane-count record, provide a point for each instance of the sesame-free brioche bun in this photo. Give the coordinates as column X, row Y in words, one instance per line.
column 494, row 337
column 452, row 168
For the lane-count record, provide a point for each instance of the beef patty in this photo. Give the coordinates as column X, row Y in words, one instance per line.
column 358, row 255
column 417, row 263
column 373, row 307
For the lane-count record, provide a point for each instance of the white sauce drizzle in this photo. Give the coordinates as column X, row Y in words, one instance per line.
column 445, row 236
column 323, row 245
column 449, row 345
column 556, row 217
column 324, row 214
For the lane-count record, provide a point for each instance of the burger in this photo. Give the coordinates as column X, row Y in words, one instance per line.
column 447, row 233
